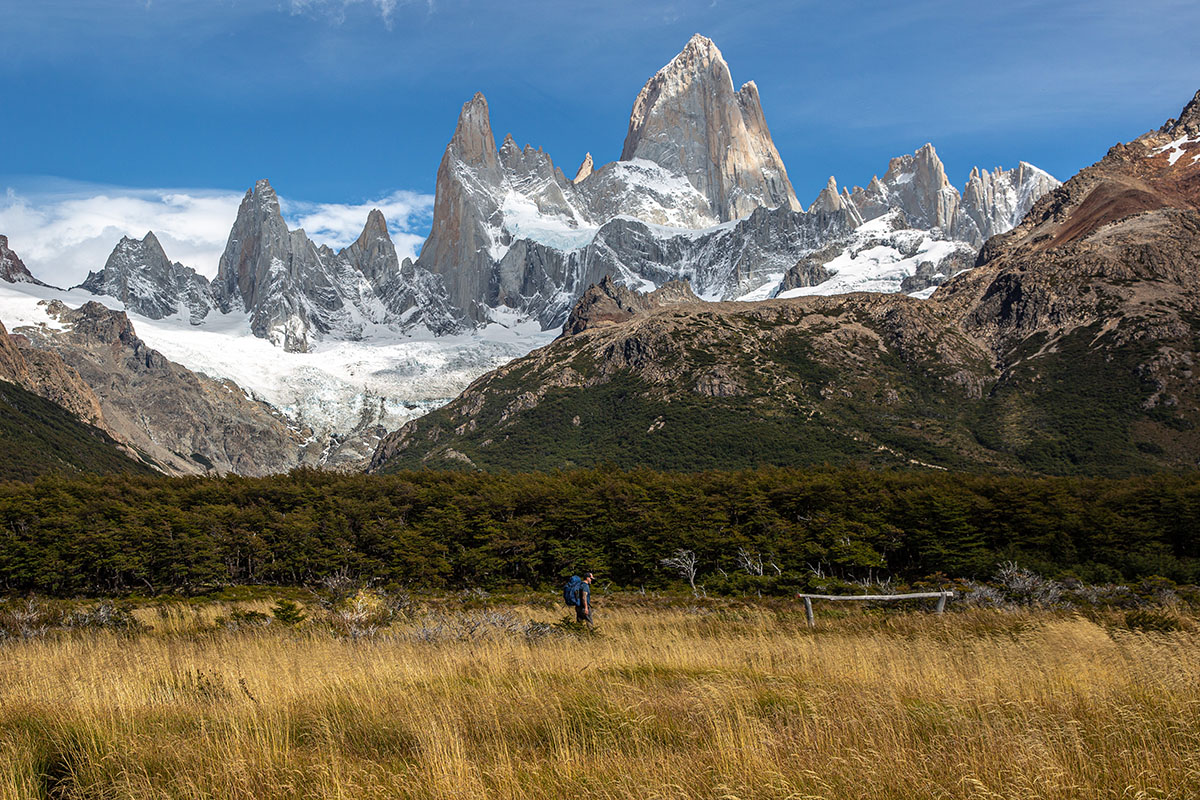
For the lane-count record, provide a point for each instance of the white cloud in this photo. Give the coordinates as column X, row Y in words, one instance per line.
column 66, row 230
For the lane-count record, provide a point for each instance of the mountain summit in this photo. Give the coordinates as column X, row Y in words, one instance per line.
column 689, row 120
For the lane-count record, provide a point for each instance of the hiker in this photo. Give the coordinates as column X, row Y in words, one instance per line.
column 583, row 609
column 578, row 593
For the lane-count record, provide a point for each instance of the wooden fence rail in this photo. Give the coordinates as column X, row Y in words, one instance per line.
column 808, row 598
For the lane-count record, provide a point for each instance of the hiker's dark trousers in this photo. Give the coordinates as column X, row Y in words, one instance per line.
column 582, row 616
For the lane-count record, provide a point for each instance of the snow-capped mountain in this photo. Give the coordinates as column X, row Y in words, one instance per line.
column 690, row 121
column 992, row 202
column 509, row 228
column 700, row 194
column 346, row 344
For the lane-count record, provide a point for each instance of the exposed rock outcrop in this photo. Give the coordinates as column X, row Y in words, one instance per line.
column 47, row 375
column 608, row 303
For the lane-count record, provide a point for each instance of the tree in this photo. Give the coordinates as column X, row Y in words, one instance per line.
column 684, row 563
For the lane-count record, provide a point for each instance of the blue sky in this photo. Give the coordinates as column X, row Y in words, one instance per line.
column 344, row 102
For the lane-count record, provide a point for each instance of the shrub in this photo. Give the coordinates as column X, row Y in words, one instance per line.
column 287, row 612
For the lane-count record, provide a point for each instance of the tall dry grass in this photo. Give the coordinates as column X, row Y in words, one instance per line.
column 668, row 703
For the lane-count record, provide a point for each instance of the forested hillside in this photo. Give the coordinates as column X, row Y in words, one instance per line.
column 38, row 436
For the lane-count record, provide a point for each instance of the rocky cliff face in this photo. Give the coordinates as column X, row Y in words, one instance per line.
column 139, row 274
column 689, row 120
column 12, row 269
column 1069, row 348
column 465, row 235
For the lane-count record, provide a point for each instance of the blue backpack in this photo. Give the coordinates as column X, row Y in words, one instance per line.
column 571, row 590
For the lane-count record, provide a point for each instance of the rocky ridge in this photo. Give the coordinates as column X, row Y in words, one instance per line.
column 46, row 374
column 293, row 291
column 183, row 422
column 296, row 292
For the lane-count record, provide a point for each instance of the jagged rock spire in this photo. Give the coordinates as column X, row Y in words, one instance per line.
column 460, row 244
column 373, row 254
column 689, row 119
column 828, row 199
column 473, row 142
column 1189, row 119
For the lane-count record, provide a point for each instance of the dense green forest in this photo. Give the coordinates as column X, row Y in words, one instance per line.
column 121, row 533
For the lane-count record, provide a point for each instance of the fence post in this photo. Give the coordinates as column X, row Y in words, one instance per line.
column 808, row 611
column 941, row 606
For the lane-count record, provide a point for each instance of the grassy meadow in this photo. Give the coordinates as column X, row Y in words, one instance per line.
column 714, row 699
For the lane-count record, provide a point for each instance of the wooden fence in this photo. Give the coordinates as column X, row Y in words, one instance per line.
column 808, row 598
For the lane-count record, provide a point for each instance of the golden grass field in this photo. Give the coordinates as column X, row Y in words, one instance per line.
column 712, row 702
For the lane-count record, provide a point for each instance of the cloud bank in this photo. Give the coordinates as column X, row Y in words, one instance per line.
column 66, row 230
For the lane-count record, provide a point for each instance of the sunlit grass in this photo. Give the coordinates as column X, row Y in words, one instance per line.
column 667, row 703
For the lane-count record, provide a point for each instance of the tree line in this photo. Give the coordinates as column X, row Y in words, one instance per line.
column 770, row 529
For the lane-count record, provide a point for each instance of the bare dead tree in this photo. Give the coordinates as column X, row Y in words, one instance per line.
column 751, row 562
column 683, row 563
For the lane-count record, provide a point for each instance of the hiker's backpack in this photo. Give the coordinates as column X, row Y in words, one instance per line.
column 571, row 591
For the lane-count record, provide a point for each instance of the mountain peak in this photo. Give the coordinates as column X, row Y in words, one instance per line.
column 1189, row 119
column 689, row 120
column 376, row 224
column 585, row 168
column 473, row 141
column 698, row 52
column 828, row 199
